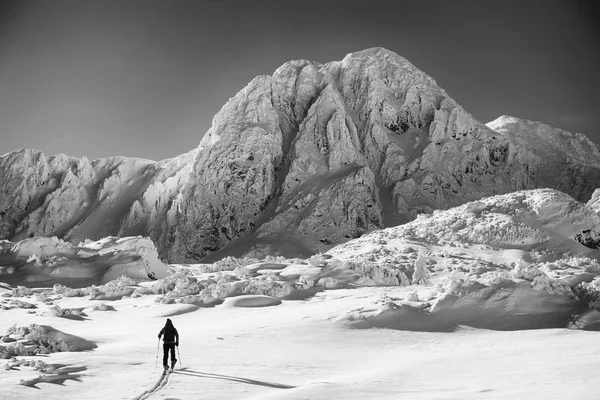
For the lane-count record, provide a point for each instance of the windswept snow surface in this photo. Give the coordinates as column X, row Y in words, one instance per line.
column 454, row 305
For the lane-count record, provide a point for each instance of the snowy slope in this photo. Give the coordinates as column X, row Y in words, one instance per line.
column 384, row 316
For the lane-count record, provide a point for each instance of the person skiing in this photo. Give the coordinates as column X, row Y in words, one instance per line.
column 170, row 340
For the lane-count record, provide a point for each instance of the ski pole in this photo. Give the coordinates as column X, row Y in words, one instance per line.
column 179, row 354
column 157, row 347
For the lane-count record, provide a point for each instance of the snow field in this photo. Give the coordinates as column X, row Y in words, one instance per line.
column 303, row 349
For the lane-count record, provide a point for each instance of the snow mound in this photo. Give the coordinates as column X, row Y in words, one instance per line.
column 252, row 301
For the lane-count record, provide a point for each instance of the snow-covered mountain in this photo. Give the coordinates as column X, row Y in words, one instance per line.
column 297, row 162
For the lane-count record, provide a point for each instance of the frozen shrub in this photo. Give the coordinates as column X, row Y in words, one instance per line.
column 589, row 293
column 421, row 275
column 38, row 342
column 66, row 291
column 38, row 336
column 524, row 270
column 13, row 350
column 242, row 272
column 330, row 282
column 318, row 260
column 544, row 282
column 169, row 283
column 269, row 287
column 222, row 289
column 376, row 274
column 19, row 291
column 119, row 287
column 56, row 311
column 413, row 296
column 175, row 286
column 42, row 298
column 227, row 264
column 538, row 279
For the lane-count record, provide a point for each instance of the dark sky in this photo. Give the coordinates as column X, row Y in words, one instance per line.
column 144, row 78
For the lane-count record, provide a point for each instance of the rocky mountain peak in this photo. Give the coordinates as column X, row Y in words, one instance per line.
column 299, row 161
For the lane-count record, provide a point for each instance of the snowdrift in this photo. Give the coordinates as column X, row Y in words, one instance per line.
column 42, row 261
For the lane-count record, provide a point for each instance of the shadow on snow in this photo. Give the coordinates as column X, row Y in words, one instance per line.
column 198, row 374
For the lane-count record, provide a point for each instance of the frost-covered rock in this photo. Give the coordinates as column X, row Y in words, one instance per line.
column 589, row 238
column 594, row 202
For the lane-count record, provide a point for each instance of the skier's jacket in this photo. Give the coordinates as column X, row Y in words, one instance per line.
column 171, row 334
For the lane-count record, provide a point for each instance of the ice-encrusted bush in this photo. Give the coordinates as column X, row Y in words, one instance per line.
column 224, row 287
column 589, row 293
column 231, row 263
column 524, row 270
column 67, row 291
column 119, row 287
column 45, row 261
column 539, row 280
column 36, row 341
column 421, row 275
column 178, row 281
column 318, row 260
column 12, row 350
column 42, row 298
column 178, row 287
column 19, row 291
column 269, row 287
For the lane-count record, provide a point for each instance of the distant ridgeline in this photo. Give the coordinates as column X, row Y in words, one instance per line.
column 297, row 162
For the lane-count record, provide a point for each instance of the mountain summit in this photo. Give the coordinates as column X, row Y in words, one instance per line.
column 307, row 158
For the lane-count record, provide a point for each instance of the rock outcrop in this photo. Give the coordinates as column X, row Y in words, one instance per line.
column 594, row 202
column 296, row 162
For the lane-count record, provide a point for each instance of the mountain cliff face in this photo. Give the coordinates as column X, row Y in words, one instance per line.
column 307, row 158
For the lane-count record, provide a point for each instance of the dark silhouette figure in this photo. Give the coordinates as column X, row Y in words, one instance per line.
column 170, row 340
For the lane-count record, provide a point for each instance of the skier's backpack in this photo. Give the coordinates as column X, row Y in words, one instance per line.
column 169, row 334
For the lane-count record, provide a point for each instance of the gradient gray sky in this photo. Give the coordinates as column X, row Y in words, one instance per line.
column 144, row 78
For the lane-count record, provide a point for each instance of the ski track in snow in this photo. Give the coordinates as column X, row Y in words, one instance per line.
column 161, row 383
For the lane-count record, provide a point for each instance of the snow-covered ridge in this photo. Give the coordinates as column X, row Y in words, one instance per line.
column 551, row 139
column 44, row 261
